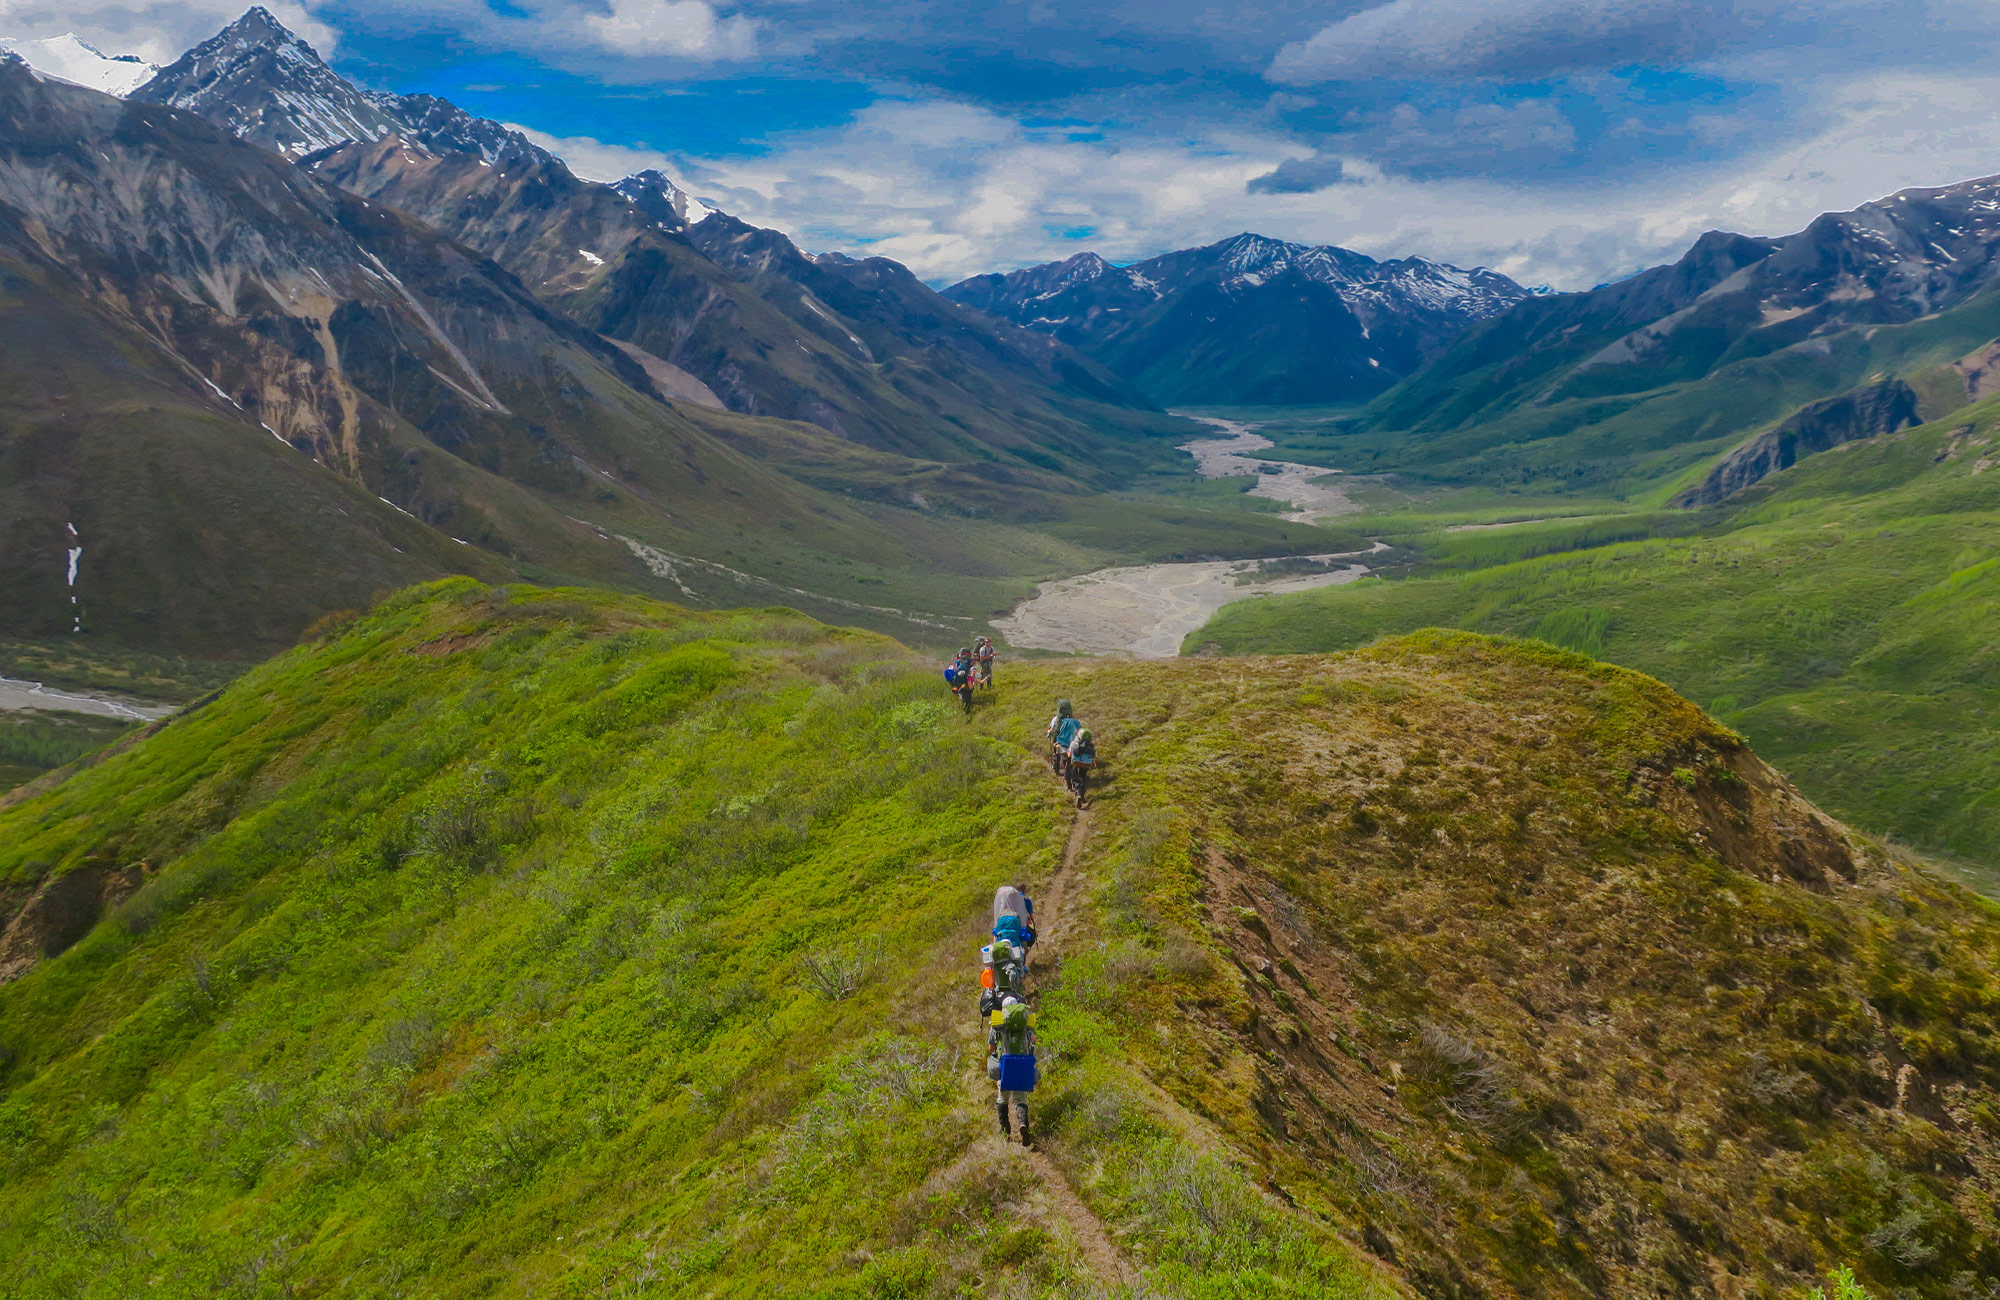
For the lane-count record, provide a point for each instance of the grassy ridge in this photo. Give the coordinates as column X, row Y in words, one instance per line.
column 484, row 949
column 470, row 955
column 1840, row 614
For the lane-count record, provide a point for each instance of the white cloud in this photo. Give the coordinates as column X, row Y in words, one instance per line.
column 1532, row 39
column 679, row 28
column 158, row 33
column 953, row 190
column 595, row 160
column 1430, row 38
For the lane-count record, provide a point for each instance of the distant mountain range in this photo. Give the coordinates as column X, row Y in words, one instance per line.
column 1635, row 382
column 335, row 333
column 1250, row 320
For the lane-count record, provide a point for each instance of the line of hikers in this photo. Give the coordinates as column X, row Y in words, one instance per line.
column 1072, row 750
column 970, row 669
column 1004, row 1010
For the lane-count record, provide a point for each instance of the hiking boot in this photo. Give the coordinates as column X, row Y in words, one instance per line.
column 1006, row 1125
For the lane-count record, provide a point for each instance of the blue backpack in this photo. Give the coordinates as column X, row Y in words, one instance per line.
column 1066, row 731
column 1012, row 930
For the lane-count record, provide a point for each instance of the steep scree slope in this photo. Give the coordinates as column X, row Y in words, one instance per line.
column 477, row 951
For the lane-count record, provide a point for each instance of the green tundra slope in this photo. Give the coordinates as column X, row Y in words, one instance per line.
column 518, row 942
column 1840, row 613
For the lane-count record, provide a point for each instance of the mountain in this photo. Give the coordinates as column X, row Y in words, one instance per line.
column 1636, row 382
column 356, row 350
column 257, row 80
column 453, row 955
column 936, row 382
column 1250, row 320
column 77, row 61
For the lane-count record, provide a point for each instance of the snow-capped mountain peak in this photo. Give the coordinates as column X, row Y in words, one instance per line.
column 1350, row 325
column 654, row 194
column 70, row 58
column 260, row 80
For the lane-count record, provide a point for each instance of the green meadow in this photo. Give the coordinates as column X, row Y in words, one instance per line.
column 1841, row 614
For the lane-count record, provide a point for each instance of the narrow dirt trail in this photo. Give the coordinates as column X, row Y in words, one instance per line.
column 1107, row 1263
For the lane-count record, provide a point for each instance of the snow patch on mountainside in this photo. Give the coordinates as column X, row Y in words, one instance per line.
column 73, row 59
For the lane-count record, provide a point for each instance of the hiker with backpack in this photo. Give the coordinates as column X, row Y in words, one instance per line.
column 958, row 676
column 1082, row 757
column 1003, row 973
column 1014, row 916
column 1062, row 730
column 1010, row 1062
column 982, row 651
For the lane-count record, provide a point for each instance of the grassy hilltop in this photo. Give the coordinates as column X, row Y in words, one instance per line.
column 1841, row 614
column 519, row 942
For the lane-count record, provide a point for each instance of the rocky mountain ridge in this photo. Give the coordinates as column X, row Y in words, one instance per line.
column 620, row 260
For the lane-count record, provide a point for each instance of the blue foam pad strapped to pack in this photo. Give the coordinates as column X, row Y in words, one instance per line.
column 1017, row 1074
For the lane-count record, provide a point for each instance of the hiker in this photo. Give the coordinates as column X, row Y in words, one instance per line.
column 1014, row 916
column 1003, row 973
column 982, row 650
column 1062, row 730
column 1010, row 1042
column 1082, row 754
column 958, row 676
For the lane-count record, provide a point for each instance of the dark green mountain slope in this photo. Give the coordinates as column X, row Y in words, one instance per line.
column 196, row 527
column 481, row 950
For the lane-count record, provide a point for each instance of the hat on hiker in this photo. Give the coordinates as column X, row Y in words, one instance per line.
column 1062, row 708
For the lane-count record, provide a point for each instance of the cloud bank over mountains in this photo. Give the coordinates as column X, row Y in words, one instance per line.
column 1560, row 141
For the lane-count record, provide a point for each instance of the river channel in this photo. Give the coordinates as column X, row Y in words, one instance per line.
column 1145, row 611
column 20, row 696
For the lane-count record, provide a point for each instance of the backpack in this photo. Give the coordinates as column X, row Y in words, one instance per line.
column 1012, row 929
column 1086, row 755
column 1066, row 731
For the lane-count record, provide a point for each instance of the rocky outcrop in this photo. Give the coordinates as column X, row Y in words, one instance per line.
column 1864, row 413
column 49, row 919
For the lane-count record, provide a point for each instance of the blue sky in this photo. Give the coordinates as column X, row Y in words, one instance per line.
column 1563, row 141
